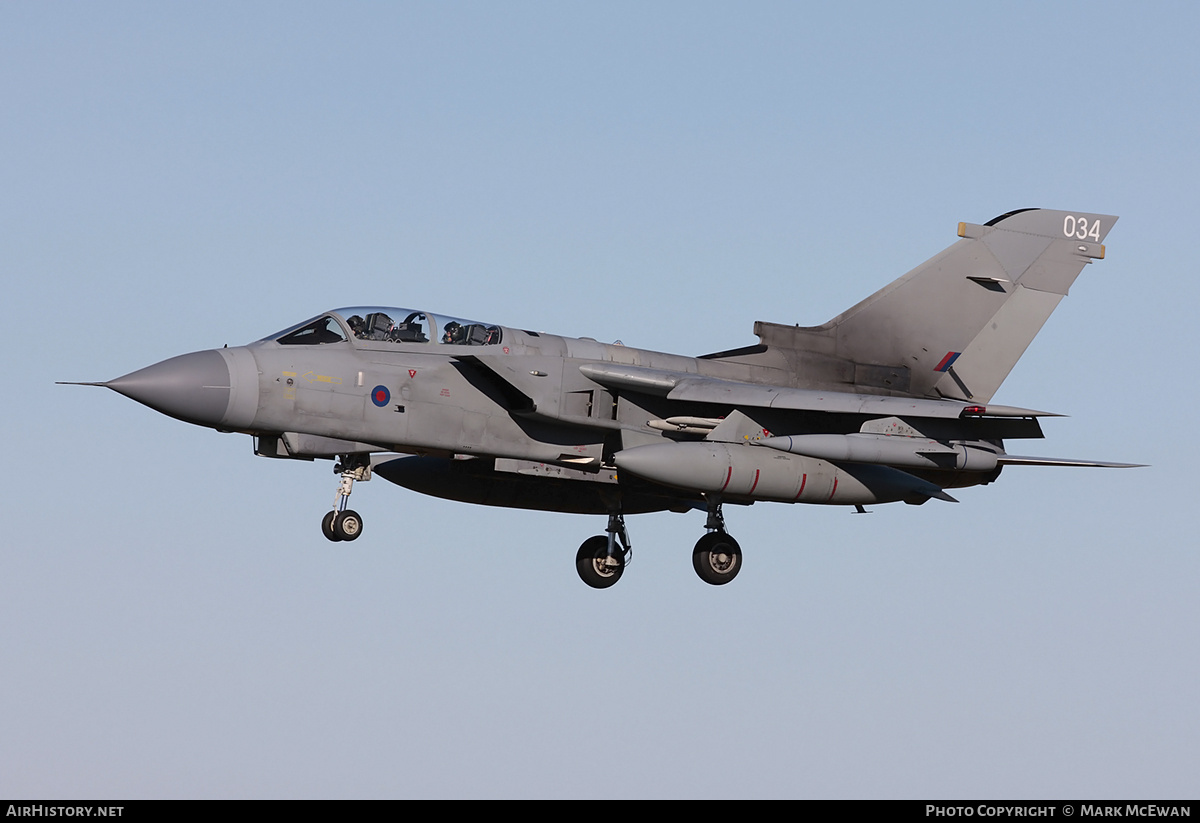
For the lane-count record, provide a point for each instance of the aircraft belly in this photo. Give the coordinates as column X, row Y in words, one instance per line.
column 479, row 481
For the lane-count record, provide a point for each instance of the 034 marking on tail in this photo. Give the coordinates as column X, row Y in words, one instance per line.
column 887, row 402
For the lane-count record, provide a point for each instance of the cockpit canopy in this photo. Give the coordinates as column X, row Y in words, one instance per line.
column 382, row 324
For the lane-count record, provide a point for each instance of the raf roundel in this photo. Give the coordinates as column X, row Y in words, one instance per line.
column 380, row 396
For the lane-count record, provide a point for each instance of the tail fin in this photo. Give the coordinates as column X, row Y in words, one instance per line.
column 957, row 324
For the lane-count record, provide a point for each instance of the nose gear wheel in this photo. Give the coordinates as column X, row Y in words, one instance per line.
column 343, row 523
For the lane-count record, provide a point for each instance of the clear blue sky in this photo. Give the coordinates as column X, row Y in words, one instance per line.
column 180, row 176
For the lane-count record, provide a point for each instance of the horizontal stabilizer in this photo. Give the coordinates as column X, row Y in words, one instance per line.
column 992, row 410
column 1018, row 460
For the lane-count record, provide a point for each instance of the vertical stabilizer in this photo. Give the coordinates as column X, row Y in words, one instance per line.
column 958, row 323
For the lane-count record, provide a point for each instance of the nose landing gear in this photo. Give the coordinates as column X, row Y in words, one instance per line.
column 343, row 523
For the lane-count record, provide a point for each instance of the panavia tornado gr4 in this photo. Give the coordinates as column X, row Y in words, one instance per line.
column 887, row 402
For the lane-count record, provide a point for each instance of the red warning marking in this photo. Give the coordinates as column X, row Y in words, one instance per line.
column 506, row 349
column 445, row 392
column 832, row 493
column 803, row 481
column 755, row 486
column 728, row 474
column 412, row 372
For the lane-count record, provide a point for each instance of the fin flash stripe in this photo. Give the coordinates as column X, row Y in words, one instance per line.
column 947, row 361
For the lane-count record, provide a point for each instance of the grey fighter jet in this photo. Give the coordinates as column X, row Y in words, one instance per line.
column 889, row 401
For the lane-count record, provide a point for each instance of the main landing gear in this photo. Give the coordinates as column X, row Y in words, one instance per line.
column 717, row 557
column 600, row 561
column 343, row 523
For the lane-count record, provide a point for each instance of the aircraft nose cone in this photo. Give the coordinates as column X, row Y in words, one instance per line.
column 192, row 387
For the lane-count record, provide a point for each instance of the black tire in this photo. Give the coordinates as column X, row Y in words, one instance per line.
column 717, row 558
column 348, row 525
column 327, row 527
column 591, row 565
